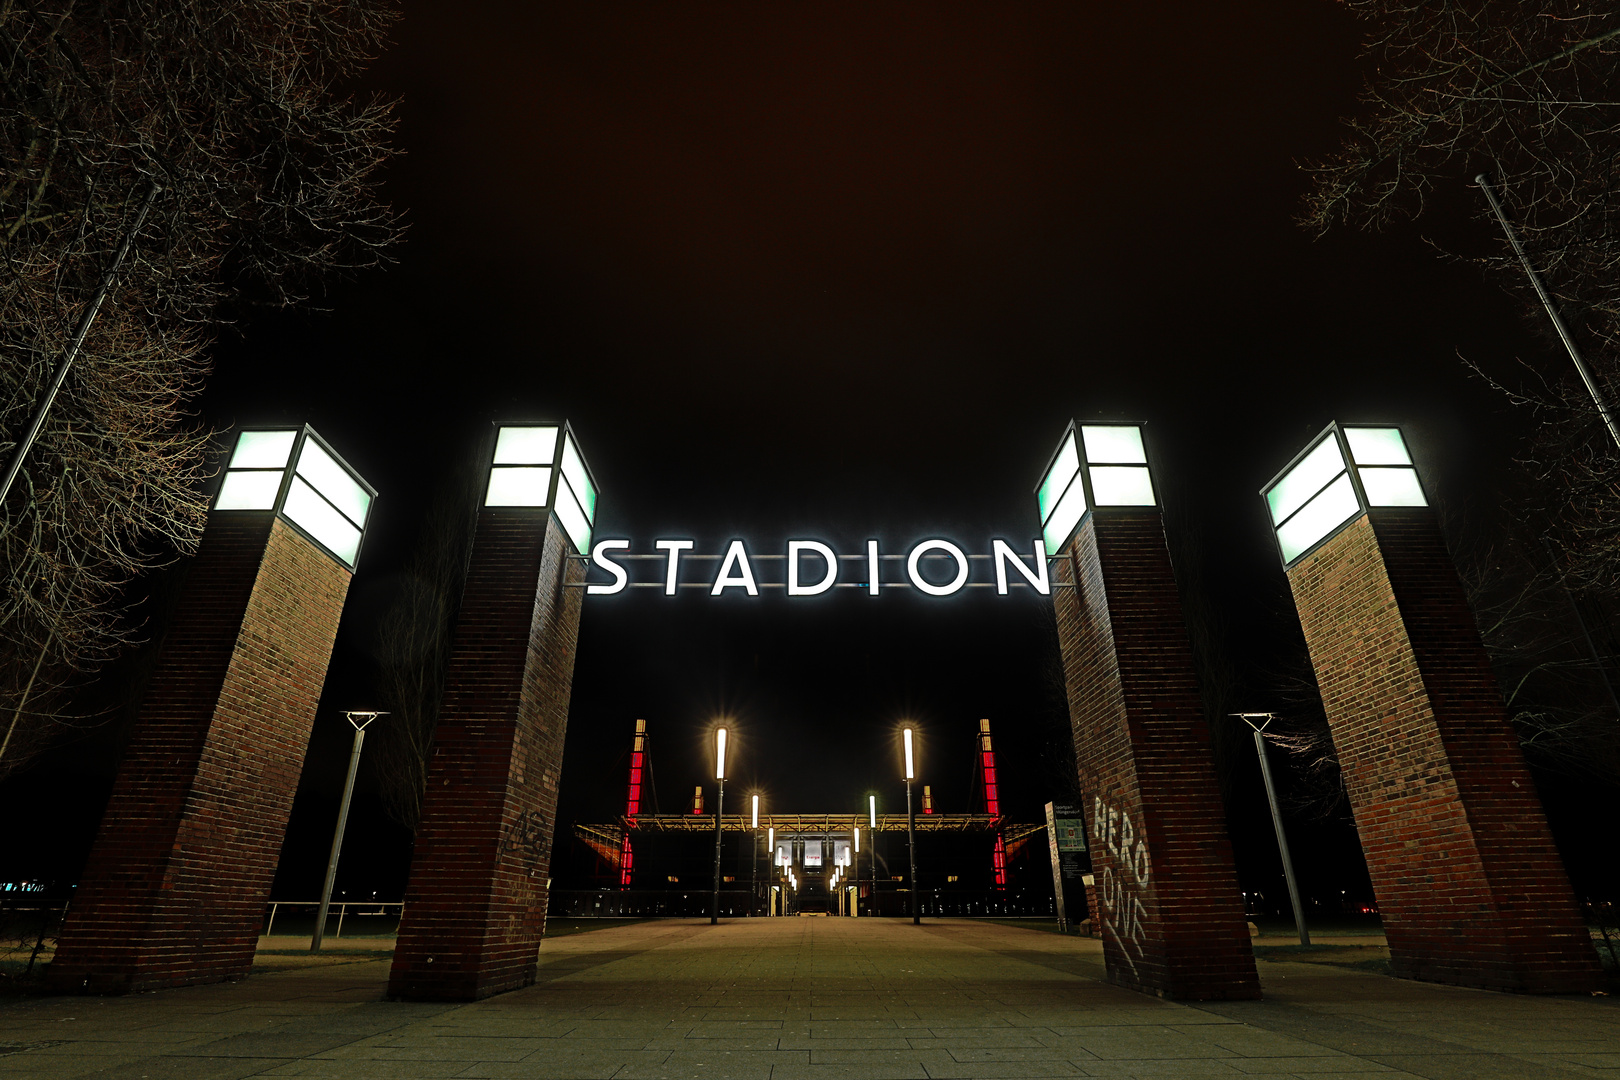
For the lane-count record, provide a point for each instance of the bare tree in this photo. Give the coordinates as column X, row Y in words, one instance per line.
column 1529, row 94
column 413, row 651
column 265, row 182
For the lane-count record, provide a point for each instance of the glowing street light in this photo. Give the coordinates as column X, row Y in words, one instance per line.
column 753, row 897
column 911, row 826
column 719, row 808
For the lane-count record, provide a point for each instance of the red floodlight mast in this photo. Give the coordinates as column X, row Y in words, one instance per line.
column 638, row 763
column 992, row 802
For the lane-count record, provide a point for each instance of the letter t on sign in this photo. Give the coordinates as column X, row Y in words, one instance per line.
column 674, row 547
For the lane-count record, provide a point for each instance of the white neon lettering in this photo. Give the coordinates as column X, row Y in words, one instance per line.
column 736, row 560
column 1004, row 554
column 923, row 583
column 872, row 567
column 599, row 556
column 795, row 547
column 674, row 547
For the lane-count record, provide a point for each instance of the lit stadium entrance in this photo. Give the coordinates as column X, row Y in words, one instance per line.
column 776, row 864
column 1168, row 906
column 176, row 883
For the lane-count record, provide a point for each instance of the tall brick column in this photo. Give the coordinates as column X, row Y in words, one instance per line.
column 1468, row 881
column 1167, row 900
column 175, row 887
column 475, row 905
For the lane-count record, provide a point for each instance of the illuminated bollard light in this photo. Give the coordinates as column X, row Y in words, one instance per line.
column 1169, row 910
column 475, row 901
column 1470, row 887
column 175, row 888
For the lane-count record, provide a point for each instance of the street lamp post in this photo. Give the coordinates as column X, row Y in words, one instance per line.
column 1276, row 818
column 719, row 808
column 770, row 845
column 911, row 828
column 871, row 806
column 855, row 863
column 358, row 720
column 753, row 862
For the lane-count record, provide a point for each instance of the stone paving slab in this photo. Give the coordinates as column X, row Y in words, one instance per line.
column 793, row 999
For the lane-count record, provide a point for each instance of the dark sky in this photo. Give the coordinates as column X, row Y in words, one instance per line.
column 848, row 272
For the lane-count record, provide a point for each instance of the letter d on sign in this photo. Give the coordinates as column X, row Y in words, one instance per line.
column 795, row 549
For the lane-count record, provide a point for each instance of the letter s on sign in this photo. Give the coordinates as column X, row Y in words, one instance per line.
column 599, row 557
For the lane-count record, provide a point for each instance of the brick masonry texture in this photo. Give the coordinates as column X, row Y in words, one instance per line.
column 475, row 905
column 175, row 887
column 1166, row 897
column 1471, row 888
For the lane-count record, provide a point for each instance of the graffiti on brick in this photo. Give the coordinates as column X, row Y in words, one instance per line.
column 1124, row 877
column 526, row 838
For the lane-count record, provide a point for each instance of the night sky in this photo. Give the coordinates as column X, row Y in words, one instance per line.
column 798, row 271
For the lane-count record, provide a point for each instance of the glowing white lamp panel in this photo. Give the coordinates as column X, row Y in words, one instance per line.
column 1061, row 497
column 1384, row 467
column 576, row 498
column 1117, row 461
column 1315, row 471
column 306, row 509
column 249, row 490
column 263, row 449
column 1312, row 499
column 253, row 476
column 520, row 474
column 322, row 472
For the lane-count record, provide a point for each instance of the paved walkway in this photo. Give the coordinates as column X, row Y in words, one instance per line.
column 783, row 999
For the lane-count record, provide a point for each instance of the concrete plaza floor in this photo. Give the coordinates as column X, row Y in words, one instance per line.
column 783, row 999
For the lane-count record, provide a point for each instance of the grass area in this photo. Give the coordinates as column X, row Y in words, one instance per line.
column 1373, row 958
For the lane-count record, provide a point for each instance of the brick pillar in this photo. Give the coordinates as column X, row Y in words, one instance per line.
column 475, row 904
column 1469, row 883
column 1167, row 898
column 175, row 888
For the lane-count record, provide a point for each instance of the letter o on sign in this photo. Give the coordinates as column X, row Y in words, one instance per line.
column 923, row 583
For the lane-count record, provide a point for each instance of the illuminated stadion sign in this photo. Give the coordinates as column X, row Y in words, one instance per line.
column 1097, row 467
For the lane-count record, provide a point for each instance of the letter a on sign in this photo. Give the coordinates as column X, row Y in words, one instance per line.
column 735, row 571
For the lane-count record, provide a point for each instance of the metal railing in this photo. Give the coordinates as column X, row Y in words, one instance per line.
column 360, row 908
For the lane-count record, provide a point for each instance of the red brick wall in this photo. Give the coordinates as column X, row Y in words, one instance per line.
column 175, row 887
column 475, row 905
column 1167, row 898
column 1471, row 888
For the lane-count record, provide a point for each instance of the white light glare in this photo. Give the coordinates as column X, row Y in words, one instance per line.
column 249, row 491
column 1113, row 444
column 911, row 773
column 857, row 839
column 263, row 449
column 332, row 480
column 1326, row 512
column 720, row 754
column 1377, row 446
column 871, row 803
column 1304, row 480
column 756, row 812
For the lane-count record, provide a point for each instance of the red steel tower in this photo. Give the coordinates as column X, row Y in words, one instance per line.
column 992, row 802
column 638, row 760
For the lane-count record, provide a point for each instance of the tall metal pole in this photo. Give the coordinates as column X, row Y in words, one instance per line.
column 355, row 718
column 719, row 808
column 1484, row 183
column 26, row 443
column 911, row 848
column 1277, row 823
